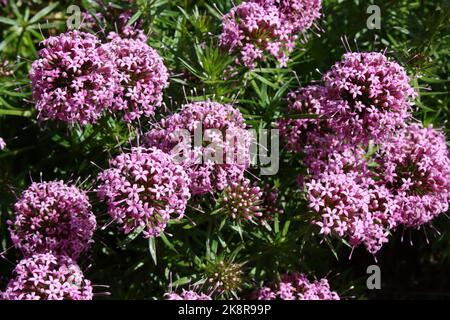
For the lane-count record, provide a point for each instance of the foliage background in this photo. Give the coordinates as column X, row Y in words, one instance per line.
column 414, row 32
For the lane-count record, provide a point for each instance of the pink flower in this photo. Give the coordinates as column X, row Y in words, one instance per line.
column 254, row 30
column 295, row 286
column 52, row 216
column 261, row 28
column 142, row 75
column 415, row 166
column 373, row 94
column 368, row 171
column 187, row 295
column 73, row 79
column 48, row 277
column 209, row 119
column 150, row 202
column 408, row 186
column 310, row 101
column 297, row 15
column 349, row 203
column 2, row 144
column 5, row 68
column 243, row 201
column 111, row 14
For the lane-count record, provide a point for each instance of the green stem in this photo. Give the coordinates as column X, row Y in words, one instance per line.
column 20, row 113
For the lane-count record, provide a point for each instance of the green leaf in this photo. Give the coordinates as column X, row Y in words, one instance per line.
column 134, row 18
column 152, row 248
column 332, row 248
column 44, row 12
column 264, row 80
column 133, row 235
column 213, row 11
column 8, row 21
column 181, row 281
column 286, row 228
column 238, row 229
column 7, row 40
column 168, row 243
column 276, row 224
column 373, row 165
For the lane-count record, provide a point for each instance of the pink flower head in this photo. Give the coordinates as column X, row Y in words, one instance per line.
column 365, row 102
column 415, row 167
column 48, row 277
column 242, row 200
column 256, row 30
column 374, row 92
column 187, row 295
column 144, row 189
column 52, row 216
column 73, row 79
column 295, row 286
column 297, row 15
column 142, row 77
column 2, row 144
column 348, row 203
column 408, row 185
column 211, row 165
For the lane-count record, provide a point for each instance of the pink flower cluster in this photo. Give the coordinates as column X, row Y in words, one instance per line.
column 296, row 286
column 219, row 162
column 144, row 189
column 364, row 97
column 407, row 185
column 348, row 202
column 2, row 144
column 415, row 167
column 374, row 95
column 47, row 277
column 77, row 79
column 53, row 226
column 52, row 217
column 187, row 295
column 73, row 79
column 142, row 77
column 242, row 200
column 369, row 170
column 260, row 27
column 299, row 15
column 255, row 31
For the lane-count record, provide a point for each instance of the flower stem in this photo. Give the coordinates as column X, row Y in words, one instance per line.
column 20, row 113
